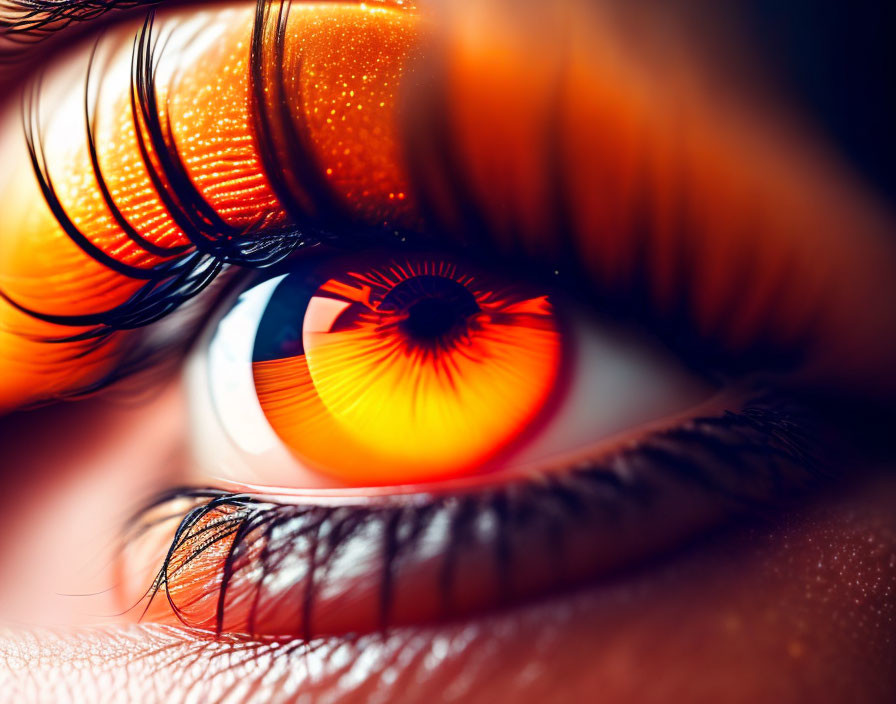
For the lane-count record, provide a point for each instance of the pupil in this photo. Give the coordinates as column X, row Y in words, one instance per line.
column 434, row 306
column 431, row 318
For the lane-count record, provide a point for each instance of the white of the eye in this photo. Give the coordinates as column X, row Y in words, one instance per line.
column 230, row 371
column 231, row 437
column 617, row 383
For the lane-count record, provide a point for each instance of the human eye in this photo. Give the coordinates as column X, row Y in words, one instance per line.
column 409, row 438
column 458, row 331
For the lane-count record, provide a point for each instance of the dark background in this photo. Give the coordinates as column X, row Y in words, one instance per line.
column 837, row 58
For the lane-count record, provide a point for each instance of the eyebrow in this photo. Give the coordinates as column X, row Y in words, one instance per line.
column 26, row 23
column 42, row 17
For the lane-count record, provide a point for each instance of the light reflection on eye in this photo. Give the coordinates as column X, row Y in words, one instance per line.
column 400, row 368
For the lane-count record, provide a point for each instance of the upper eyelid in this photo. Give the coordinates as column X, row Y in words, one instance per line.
column 222, row 244
column 696, row 197
column 122, row 283
column 733, row 178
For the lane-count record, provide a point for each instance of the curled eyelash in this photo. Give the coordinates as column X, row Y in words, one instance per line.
column 303, row 193
column 440, row 176
column 748, row 462
column 178, row 274
column 186, row 271
column 182, row 273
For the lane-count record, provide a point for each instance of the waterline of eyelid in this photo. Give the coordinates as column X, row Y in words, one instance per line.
column 601, row 453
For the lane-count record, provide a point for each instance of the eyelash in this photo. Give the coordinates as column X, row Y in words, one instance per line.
column 748, row 461
column 33, row 20
column 215, row 246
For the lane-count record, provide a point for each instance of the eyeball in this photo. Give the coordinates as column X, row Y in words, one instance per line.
column 383, row 369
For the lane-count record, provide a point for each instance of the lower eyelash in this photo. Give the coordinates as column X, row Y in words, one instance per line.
column 742, row 462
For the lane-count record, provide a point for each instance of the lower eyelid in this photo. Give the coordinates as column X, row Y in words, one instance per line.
column 248, row 565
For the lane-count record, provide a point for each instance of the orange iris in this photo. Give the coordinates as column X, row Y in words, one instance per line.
column 413, row 370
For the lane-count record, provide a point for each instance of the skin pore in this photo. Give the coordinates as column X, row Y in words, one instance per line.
column 795, row 606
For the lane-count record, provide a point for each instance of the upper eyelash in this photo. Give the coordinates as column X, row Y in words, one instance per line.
column 271, row 116
column 765, row 452
column 213, row 243
column 430, row 157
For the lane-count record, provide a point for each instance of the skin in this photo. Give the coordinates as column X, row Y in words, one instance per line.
column 796, row 607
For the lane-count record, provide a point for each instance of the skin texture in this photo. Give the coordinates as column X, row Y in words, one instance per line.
column 799, row 608
column 795, row 607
